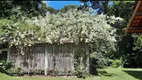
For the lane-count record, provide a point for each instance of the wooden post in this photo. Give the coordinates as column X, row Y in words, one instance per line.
column 8, row 54
column 87, row 59
column 46, row 60
column 72, row 62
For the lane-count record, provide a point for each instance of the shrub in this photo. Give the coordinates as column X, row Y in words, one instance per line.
column 15, row 71
column 81, row 73
column 5, row 65
column 115, row 63
column 38, row 72
column 53, row 72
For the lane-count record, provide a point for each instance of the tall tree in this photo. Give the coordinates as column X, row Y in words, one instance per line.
column 101, row 6
column 21, row 8
column 124, row 40
column 118, row 9
column 67, row 8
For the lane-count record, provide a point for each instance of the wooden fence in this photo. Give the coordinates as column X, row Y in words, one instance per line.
column 45, row 57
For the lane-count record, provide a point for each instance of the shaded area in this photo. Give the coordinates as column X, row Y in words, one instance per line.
column 135, row 74
column 3, row 51
column 105, row 73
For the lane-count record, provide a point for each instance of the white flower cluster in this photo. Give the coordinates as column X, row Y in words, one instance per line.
column 75, row 26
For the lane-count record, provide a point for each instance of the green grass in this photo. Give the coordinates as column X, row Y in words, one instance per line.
column 6, row 77
column 104, row 74
column 120, row 74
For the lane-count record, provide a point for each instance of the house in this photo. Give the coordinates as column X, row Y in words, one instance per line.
column 135, row 23
column 48, row 57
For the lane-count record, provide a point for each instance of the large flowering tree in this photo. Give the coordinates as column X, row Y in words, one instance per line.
column 73, row 26
column 18, row 33
column 77, row 27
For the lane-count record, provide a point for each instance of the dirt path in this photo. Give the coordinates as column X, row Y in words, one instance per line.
column 43, row 76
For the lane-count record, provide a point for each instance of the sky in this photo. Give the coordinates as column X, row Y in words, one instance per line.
column 60, row 4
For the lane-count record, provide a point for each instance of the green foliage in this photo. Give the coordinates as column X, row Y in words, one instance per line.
column 4, row 65
column 53, row 72
column 17, row 33
column 80, row 73
column 101, row 7
column 21, row 8
column 15, row 71
column 115, row 63
column 119, row 8
column 134, row 56
column 38, row 72
column 102, row 51
column 7, row 67
column 99, row 60
column 137, row 41
column 67, row 8
column 124, row 40
column 51, row 10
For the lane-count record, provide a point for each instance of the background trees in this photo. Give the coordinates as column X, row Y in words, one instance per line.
column 101, row 6
column 125, row 41
column 25, row 23
column 127, row 46
column 20, row 8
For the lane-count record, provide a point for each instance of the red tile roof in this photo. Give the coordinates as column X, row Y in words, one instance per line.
column 135, row 23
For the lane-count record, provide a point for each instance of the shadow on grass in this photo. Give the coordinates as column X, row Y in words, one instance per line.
column 104, row 73
column 135, row 74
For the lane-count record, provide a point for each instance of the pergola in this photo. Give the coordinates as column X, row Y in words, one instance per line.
column 135, row 23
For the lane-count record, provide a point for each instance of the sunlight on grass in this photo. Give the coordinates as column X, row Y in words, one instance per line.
column 120, row 74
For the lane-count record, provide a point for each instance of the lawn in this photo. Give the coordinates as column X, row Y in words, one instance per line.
column 6, row 77
column 120, row 74
column 104, row 74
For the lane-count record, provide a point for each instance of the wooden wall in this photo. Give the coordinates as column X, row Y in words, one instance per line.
column 44, row 57
column 33, row 58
